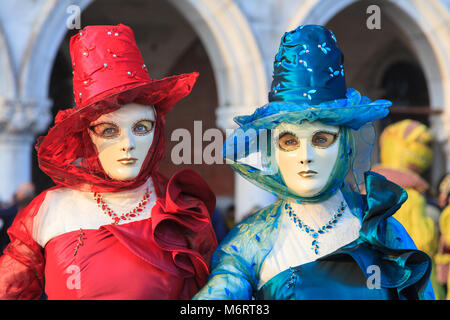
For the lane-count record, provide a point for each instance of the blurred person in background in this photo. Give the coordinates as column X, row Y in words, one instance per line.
column 219, row 225
column 404, row 155
column 229, row 217
column 443, row 256
column 23, row 196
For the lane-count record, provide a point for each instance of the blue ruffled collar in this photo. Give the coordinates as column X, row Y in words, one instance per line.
column 401, row 268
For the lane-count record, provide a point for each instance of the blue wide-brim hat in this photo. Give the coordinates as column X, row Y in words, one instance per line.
column 309, row 84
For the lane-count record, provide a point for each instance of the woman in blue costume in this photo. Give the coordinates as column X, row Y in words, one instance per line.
column 331, row 234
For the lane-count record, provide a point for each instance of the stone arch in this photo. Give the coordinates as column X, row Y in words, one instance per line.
column 8, row 79
column 414, row 20
column 239, row 73
column 234, row 54
column 8, row 96
column 425, row 23
column 39, row 56
column 223, row 29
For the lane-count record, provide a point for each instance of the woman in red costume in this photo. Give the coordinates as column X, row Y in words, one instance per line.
column 113, row 227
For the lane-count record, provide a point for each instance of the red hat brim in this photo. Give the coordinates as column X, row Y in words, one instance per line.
column 163, row 94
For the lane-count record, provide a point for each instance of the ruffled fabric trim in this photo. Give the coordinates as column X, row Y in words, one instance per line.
column 353, row 111
column 181, row 223
column 180, row 238
column 407, row 269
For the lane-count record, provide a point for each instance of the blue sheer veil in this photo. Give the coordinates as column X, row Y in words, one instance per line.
column 251, row 153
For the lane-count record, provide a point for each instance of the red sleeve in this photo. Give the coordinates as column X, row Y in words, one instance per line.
column 22, row 262
column 182, row 225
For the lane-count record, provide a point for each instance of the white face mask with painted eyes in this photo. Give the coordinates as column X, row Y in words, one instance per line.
column 306, row 154
column 123, row 138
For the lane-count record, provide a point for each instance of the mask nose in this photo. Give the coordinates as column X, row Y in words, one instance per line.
column 306, row 153
column 127, row 149
column 127, row 143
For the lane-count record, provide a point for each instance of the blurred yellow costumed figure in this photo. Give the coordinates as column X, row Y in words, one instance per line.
column 443, row 257
column 405, row 153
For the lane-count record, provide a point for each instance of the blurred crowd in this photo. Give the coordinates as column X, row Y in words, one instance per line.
column 442, row 257
column 405, row 155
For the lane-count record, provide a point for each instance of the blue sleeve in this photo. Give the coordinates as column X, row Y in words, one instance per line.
column 398, row 238
column 231, row 276
column 236, row 262
column 229, row 279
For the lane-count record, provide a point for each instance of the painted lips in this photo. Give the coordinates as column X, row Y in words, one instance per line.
column 128, row 161
column 307, row 174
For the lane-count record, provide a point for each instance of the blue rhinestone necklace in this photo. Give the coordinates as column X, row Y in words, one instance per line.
column 321, row 230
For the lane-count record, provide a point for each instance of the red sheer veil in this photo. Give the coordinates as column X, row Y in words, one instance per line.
column 69, row 157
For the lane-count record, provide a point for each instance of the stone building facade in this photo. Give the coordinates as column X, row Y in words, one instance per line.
column 232, row 44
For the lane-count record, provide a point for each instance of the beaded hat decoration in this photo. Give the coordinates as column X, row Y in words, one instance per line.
column 309, row 84
column 106, row 61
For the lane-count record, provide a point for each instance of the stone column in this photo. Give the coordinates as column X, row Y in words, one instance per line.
column 445, row 133
column 20, row 122
column 247, row 196
column 238, row 69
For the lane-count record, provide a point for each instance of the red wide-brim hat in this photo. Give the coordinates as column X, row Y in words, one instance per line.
column 108, row 72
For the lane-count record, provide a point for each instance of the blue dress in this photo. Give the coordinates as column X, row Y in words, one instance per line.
column 383, row 245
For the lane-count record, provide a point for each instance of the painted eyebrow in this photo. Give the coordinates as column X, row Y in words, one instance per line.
column 326, row 131
column 95, row 123
column 286, row 131
column 143, row 119
column 103, row 122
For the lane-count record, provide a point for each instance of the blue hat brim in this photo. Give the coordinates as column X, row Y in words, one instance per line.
column 353, row 111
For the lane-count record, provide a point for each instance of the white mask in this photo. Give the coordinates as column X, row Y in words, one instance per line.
column 306, row 154
column 123, row 138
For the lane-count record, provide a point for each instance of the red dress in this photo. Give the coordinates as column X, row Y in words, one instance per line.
column 163, row 257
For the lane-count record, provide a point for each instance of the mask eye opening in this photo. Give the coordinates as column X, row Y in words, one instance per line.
column 288, row 141
column 329, row 137
column 101, row 130
column 149, row 124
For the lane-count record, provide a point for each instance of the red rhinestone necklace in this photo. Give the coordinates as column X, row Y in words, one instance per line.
column 124, row 216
